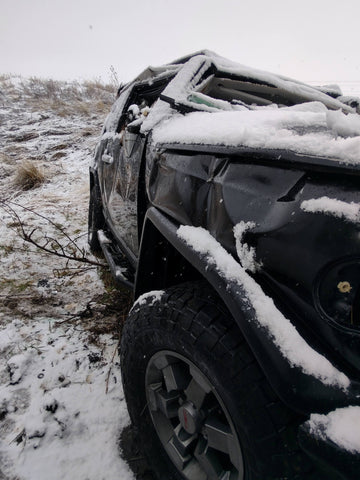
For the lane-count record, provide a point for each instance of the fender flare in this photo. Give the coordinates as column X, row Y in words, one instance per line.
column 300, row 391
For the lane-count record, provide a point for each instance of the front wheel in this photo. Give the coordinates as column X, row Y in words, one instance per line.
column 201, row 405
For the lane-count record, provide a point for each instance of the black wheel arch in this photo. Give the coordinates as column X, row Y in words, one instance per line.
column 161, row 264
column 165, row 260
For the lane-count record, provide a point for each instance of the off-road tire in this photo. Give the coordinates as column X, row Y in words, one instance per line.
column 191, row 322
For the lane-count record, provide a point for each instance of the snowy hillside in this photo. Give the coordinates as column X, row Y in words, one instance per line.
column 62, row 408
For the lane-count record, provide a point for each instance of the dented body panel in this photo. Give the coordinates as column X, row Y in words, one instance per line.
column 294, row 248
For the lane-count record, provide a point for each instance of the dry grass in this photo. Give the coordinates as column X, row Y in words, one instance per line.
column 6, row 85
column 62, row 98
column 29, row 175
column 5, row 159
column 69, row 98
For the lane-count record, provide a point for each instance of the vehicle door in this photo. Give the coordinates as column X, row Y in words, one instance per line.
column 108, row 148
column 123, row 200
column 127, row 152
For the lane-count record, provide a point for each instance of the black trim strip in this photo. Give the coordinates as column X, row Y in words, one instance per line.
column 278, row 158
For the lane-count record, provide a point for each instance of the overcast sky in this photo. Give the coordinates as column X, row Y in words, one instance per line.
column 76, row 39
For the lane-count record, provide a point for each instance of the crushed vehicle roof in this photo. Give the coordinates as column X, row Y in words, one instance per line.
column 210, row 100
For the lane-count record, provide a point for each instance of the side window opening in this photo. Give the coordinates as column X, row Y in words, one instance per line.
column 143, row 97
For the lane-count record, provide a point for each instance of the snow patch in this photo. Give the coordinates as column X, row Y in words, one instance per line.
column 10, row 336
column 17, row 366
column 343, row 125
column 342, row 426
column 292, row 346
column 245, row 253
column 154, row 295
column 332, row 206
column 103, row 239
column 160, row 112
column 58, row 420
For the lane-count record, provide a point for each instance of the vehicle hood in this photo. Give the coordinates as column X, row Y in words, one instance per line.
column 310, row 129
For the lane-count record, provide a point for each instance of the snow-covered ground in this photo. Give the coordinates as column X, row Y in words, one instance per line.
column 62, row 407
column 61, row 403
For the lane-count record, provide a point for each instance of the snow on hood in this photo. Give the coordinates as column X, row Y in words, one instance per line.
column 278, row 128
column 343, row 125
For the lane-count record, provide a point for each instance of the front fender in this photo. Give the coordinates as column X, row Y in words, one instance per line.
column 301, row 391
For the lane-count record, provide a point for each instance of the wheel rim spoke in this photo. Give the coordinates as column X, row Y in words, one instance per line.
column 175, row 377
column 197, row 389
column 160, row 399
column 208, row 460
column 220, row 437
column 177, row 457
column 183, row 441
column 180, row 447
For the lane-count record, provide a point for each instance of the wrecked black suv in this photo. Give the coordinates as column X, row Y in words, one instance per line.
column 228, row 199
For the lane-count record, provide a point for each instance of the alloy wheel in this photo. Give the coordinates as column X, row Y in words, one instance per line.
column 191, row 420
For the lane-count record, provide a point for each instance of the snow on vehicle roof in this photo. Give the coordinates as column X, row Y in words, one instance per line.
column 309, row 127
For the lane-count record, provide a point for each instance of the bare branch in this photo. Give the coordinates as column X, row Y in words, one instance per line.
column 51, row 222
column 52, row 246
column 110, row 366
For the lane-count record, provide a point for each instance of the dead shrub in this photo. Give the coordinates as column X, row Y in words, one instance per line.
column 29, row 175
column 4, row 158
column 82, row 108
column 101, row 107
column 60, row 146
column 24, row 137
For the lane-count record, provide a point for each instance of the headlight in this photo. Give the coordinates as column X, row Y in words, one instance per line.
column 337, row 293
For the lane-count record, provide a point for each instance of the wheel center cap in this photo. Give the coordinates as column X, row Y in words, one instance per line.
column 190, row 418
